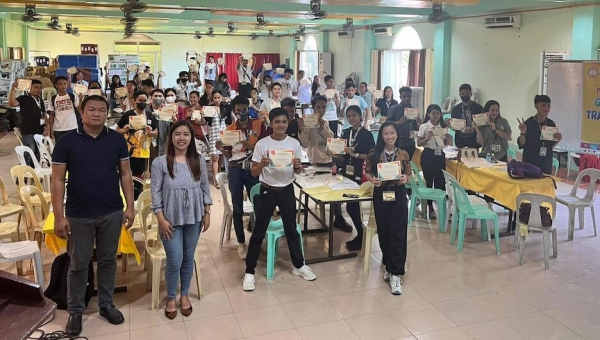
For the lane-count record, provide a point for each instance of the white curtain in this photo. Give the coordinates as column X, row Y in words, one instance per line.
column 391, row 68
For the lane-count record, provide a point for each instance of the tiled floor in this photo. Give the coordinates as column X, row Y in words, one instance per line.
column 475, row 294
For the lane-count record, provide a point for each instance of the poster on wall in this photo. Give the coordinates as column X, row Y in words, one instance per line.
column 118, row 64
column 590, row 123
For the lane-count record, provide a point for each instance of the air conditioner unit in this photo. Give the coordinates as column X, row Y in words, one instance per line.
column 346, row 35
column 384, row 31
column 506, row 21
column 299, row 37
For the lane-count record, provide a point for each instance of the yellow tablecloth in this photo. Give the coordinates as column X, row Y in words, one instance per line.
column 494, row 182
column 55, row 243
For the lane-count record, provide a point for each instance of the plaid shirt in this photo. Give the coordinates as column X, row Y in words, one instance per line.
column 218, row 124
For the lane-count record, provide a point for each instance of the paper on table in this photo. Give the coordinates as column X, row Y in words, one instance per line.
column 336, row 146
column 80, row 88
column 229, row 137
column 137, row 122
column 353, row 101
column 378, row 94
column 268, row 66
column 388, row 171
column 345, row 185
column 209, row 111
column 280, row 70
column 121, row 92
column 330, row 93
column 280, row 158
column 221, row 61
column 439, row 131
column 24, row 84
column 457, row 124
column 196, row 115
column 481, row 119
column 548, row 133
column 94, row 92
column 411, row 113
column 371, row 87
column 311, row 121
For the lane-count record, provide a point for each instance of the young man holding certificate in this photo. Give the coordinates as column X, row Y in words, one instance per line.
column 240, row 156
column 275, row 160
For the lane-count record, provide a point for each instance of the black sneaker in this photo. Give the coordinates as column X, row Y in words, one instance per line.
column 342, row 225
column 73, row 327
column 355, row 244
column 112, row 314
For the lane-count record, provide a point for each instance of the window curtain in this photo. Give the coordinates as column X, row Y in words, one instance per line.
column 230, row 68
column 263, row 58
column 391, row 67
column 375, row 69
column 416, row 68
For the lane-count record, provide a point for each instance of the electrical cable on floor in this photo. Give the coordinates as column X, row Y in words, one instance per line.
column 56, row 335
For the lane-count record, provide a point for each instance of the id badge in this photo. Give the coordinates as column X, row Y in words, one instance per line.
column 438, row 152
column 495, row 147
column 389, row 196
column 350, row 170
column 42, row 121
column 543, row 151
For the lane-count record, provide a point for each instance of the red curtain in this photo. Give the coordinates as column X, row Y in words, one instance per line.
column 416, row 68
column 263, row 58
column 230, row 67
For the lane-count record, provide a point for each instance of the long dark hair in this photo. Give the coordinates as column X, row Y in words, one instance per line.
column 380, row 145
column 489, row 105
column 191, row 155
column 437, row 108
column 385, row 89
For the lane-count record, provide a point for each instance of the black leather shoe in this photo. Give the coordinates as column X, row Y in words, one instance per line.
column 112, row 314
column 73, row 327
column 341, row 224
column 355, row 244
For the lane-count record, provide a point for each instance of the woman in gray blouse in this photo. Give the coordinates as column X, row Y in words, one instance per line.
column 181, row 201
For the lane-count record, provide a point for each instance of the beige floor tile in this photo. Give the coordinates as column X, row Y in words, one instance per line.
column 418, row 272
column 422, row 319
column 450, row 268
column 144, row 317
column 174, row 331
column 505, row 304
column 445, row 334
column 511, row 278
column 539, row 326
column 475, row 284
column 264, row 320
column 542, row 297
column 464, row 311
column 328, row 268
column 311, row 312
column 592, row 336
column 573, row 290
column 262, row 296
column 295, row 291
column 371, row 280
column 211, row 305
column 382, row 326
column 438, row 290
column 357, row 263
column 409, row 298
column 335, row 330
column 290, row 334
column 118, row 336
column 493, row 330
column 356, row 303
column 582, row 318
column 338, row 284
column 222, row 327
column 95, row 325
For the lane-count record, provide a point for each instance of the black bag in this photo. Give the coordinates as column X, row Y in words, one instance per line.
column 525, row 211
column 520, row 170
column 57, row 288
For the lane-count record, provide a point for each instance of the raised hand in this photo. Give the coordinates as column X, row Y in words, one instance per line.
column 522, row 126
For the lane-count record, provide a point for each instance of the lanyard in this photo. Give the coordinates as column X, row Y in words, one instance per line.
column 393, row 156
column 388, row 103
column 245, row 70
column 353, row 136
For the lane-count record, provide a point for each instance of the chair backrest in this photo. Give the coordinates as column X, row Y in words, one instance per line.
column 17, row 133
column 144, row 214
column 511, row 154
column 415, row 170
column 26, row 192
column 20, row 173
column 143, row 199
column 594, row 175
column 21, row 150
column 537, row 201
column 461, row 198
column 48, row 143
column 45, row 155
column 5, row 199
column 221, row 179
column 449, row 190
column 253, row 192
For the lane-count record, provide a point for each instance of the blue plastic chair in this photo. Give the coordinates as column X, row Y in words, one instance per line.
column 465, row 210
column 511, row 154
column 422, row 192
column 274, row 232
column 556, row 165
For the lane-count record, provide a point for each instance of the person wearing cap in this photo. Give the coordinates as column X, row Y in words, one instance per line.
column 186, row 84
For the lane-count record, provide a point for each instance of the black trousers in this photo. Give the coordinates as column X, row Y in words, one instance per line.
column 392, row 224
column 244, row 90
column 264, row 205
column 432, row 166
column 333, row 125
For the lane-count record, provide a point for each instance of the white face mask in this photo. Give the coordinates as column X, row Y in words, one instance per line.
column 268, row 83
column 170, row 99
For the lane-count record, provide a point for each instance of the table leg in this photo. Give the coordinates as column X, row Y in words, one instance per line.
column 330, row 256
column 512, row 221
column 569, row 159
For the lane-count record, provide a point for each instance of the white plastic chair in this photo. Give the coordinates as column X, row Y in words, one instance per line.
column 45, row 154
column 573, row 202
column 21, row 251
column 535, row 224
column 49, row 143
column 17, row 133
column 39, row 171
column 228, row 210
column 19, row 174
column 369, row 231
column 450, row 203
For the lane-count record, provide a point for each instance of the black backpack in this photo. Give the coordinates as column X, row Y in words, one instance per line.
column 57, row 288
column 72, row 96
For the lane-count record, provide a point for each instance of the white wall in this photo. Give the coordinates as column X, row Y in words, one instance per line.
column 173, row 47
column 14, row 34
column 348, row 55
column 426, row 33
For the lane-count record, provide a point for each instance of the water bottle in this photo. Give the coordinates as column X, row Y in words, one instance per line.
column 488, row 158
column 333, row 170
column 493, row 159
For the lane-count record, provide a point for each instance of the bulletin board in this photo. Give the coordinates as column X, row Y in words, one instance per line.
column 118, row 63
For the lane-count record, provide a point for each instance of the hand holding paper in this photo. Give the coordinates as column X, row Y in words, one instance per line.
column 481, row 119
column 548, row 133
column 336, row 146
column 280, row 158
column 229, row 137
column 388, row 171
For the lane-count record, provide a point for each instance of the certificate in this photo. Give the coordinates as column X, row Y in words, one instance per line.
column 137, row 122
column 247, row 55
column 72, row 70
column 280, row 70
column 221, row 61
column 330, row 93
column 268, row 66
column 388, row 171
column 352, row 102
column 281, row 158
column 336, row 146
column 229, row 137
column 311, row 121
column 457, row 124
column 196, row 115
column 439, row 132
column 121, row 92
column 132, row 68
column 80, row 88
column 411, row 113
column 171, row 109
column 378, row 94
column 548, row 133
column 94, row 92
column 162, row 74
column 165, row 115
column 143, row 76
column 481, row 119
column 371, row 87
column 209, row 111
column 24, row 84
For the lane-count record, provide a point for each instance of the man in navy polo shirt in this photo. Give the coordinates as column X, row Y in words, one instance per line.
column 97, row 161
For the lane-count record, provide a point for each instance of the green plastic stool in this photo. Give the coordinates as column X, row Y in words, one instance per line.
column 556, row 165
column 274, row 232
column 420, row 191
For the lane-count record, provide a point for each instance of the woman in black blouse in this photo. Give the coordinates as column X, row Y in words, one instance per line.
column 382, row 105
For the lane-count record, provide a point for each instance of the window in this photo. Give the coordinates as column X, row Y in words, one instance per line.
column 394, row 62
column 309, row 57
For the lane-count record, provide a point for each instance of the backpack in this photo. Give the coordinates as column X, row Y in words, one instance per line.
column 72, row 97
column 57, row 288
column 525, row 211
column 520, row 170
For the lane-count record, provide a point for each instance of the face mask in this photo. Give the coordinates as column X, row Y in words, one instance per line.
column 170, row 99
column 268, row 83
column 157, row 101
column 243, row 115
column 141, row 106
column 184, row 80
column 465, row 99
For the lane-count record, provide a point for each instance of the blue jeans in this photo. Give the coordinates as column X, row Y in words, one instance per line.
column 30, row 142
column 180, row 250
column 238, row 179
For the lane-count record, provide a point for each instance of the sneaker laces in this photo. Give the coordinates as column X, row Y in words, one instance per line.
column 395, row 281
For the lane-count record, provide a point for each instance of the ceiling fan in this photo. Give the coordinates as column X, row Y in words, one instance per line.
column 253, row 36
column 134, row 6
column 30, row 14
column 198, row 35
column 71, row 30
column 271, row 34
column 129, row 19
column 54, row 23
column 210, row 33
column 349, row 25
column 260, row 18
column 438, row 15
column 231, row 28
column 315, row 13
column 301, row 30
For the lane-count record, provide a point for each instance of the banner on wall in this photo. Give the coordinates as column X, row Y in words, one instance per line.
column 590, row 122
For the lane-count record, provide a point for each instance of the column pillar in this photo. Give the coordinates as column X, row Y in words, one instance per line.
column 441, row 62
column 323, row 42
column 293, row 48
column 25, row 41
column 586, row 33
column 370, row 43
column 3, row 38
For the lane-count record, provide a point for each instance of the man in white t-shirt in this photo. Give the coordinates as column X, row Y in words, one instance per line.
column 245, row 77
column 333, row 103
column 304, row 88
column 186, row 84
column 276, row 190
column 62, row 109
column 289, row 87
column 210, row 69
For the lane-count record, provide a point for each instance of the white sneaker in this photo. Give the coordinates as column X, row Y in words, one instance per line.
column 386, row 276
column 248, row 283
column 242, row 251
column 396, row 284
column 305, row 272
